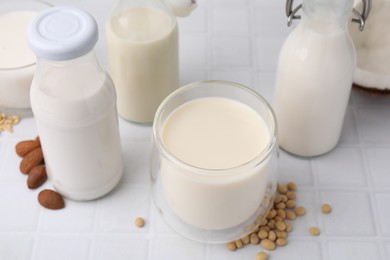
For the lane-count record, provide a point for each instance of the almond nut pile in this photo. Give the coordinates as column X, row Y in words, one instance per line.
column 33, row 165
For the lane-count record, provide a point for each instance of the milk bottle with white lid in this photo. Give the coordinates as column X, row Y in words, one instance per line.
column 74, row 103
column 314, row 78
column 142, row 40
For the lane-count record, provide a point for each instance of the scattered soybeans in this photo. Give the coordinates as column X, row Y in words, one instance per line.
column 314, row 231
column 272, row 230
column 262, row 256
column 267, row 244
column 326, row 208
column 300, row 211
column 231, row 246
column 139, row 222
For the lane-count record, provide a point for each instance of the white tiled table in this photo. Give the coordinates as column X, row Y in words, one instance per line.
column 235, row 40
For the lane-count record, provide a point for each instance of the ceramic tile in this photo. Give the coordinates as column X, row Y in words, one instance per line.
column 77, row 217
column 122, row 206
column 230, row 3
column 266, row 84
column 307, row 199
column 19, row 208
column 382, row 201
column 61, row 247
column 133, row 131
column 346, row 217
column 221, row 252
column 292, row 168
column 192, row 51
column 16, row 246
column 119, row 247
column 375, row 125
column 379, row 164
column 9, row 164
column 361, row 250
column 231, row 51
column 232, row 20
column 387, row 249
column 342, row 167
column 271, row 22
column 136, row 157
column 268, row 52
column 191, row 75
column 196, row 22
column 178, row 248
column 240, row 76
column 298, row 250
column 277, row 5
column 237, row 40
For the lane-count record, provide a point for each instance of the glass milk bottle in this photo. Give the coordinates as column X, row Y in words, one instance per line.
column 314, row 78
column 74, row 103
column 142, row 41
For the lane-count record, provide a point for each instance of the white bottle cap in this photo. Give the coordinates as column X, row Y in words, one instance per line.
column 62, row 33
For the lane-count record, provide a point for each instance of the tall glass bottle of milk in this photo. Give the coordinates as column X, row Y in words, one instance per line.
column 314, row 78
column 142, row 41
column 74, row 104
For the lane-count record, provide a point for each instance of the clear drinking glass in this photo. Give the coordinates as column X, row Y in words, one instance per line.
column 16, row 77
column 213, row 205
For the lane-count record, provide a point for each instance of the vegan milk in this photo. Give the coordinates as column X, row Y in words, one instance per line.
column 215, row 137
column 15, row 58
column 143, row 60
column 313, row 83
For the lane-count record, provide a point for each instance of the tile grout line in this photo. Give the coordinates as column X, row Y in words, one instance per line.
column 37, row 236
column 152, row 225
column 95, row 229
column 373, row 204
column 322, row 242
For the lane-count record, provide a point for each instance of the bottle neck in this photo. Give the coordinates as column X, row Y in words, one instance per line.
column 89, row 58
column 86, row 64
column 327, row 14
column 159, row 4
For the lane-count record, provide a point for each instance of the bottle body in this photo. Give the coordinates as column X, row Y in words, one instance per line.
column 313, row 83
column 142, row 41
column 74, row 104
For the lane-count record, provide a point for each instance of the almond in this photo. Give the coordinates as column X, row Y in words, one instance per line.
column 38, row 140
column 32, row 159
column 36, row 177
column 24, row 147
column 51, row 199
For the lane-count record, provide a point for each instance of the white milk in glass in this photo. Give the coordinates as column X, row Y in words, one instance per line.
column 214, row 133
column 16, row 59
column 143, row 60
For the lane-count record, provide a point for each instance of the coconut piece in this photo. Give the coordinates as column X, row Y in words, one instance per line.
column 373, row 48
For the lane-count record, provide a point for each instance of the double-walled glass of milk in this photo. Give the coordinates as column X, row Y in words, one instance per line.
column 214, row 160
column 17, row 61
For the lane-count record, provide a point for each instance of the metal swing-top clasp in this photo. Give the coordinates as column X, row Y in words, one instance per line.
column 291, row 13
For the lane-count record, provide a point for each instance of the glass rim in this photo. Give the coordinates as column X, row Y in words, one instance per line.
column 259, row 158
column 16, row 4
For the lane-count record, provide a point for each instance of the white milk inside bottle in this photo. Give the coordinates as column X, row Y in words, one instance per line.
column 314, row 78
column 74, row 104
column 143, row 59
